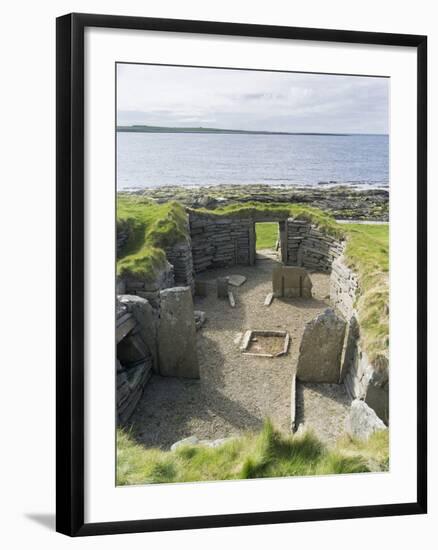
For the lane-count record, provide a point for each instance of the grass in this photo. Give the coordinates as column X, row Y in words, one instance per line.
column 266, row 235
column 151, row 227
column 266, row 454
column 367, row 252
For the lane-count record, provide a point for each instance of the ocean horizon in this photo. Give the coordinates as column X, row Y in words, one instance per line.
column 150, row 160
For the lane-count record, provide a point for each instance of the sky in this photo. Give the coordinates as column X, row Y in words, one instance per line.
column 251, row 100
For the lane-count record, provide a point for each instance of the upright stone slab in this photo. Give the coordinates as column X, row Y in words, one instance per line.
column 291, row 282
column 222, row 287
column 177, row 334
column 321, row 349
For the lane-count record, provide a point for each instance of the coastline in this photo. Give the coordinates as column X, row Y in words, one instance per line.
column 341, row 201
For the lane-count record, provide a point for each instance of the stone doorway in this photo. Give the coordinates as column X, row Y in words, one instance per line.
column 269, row 240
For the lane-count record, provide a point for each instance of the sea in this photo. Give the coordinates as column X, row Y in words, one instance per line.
column 161, row 159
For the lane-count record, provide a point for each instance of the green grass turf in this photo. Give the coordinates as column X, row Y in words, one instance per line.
column 266, row 235
column 266, row 454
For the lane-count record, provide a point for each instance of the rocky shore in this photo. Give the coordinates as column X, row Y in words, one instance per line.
column 343, row 202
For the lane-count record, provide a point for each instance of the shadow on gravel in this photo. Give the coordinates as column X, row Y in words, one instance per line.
column 323, row 393
column 174, row 408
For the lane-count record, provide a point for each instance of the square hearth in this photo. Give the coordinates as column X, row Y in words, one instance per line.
column 265, row 343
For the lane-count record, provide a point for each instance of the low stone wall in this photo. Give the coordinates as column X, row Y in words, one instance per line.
column 310, row 248
column 180, row 257
column 363, row 379
column 150, row 288
column 177, row 271
column 136, row 352
column 343, row 287
column 221, row 242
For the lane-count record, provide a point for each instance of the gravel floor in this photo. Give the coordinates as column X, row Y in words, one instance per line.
column 235, row 392
column 322, row 408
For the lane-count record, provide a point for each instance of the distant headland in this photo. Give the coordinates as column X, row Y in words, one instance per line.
column 201, row 130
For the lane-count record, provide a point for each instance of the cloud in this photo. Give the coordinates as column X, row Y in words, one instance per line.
column 253, row 100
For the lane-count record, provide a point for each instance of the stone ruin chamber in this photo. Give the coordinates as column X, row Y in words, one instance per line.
column 161, row 312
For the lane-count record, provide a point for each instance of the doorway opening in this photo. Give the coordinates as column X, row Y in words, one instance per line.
column 268, row 240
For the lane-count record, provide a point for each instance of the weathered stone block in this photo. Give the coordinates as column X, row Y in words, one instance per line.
column 124, row 325
column 236, row 280
column 177, row 334
column 321, row 349
column 363, row 421
column 291, row 282
column 377, row 397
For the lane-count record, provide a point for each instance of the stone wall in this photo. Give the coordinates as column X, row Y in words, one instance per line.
column 178, row 269
column 221, row 242
column 136, row 352
column 180, row 257
column 343, row 287
column 363, row 379
column 150, row 288
column 310, row 248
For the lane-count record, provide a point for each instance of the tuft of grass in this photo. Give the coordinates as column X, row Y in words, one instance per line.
column 266, row 235
column 266, row 454
column 375, row 450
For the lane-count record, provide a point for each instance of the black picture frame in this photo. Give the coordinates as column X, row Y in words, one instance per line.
column 70, row 273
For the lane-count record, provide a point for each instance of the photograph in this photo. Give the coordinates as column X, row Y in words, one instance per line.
column 252, row 274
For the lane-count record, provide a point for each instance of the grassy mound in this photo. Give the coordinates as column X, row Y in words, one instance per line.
column 264, row 455
column 151, row 228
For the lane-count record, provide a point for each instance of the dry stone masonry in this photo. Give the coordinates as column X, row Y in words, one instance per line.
column 135, row 352
column 180, row 256
column 310, row 248
column 343, row 287
column 226, row 241
column 156, row 327
column 150, row 288
column 220, row 242
column 364, row 380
